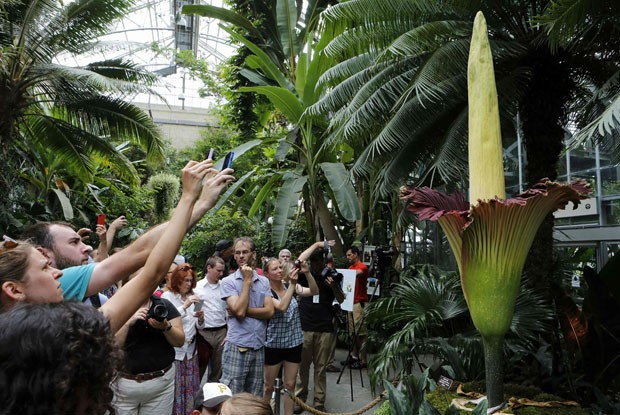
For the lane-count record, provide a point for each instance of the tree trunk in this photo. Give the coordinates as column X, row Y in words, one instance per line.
column 327, row 225
column 544, row 117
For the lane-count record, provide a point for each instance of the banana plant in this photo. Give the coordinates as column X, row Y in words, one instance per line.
column 314, row 175
column 491, row 235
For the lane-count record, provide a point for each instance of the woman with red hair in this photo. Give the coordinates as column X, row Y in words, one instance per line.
column 181, row 294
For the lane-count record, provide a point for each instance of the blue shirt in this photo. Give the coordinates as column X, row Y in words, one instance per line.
column 74, row 281
column 248, row 331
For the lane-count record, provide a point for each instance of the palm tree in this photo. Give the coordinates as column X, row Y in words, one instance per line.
column 399, row 94
column 284, row 66
column 78, row 113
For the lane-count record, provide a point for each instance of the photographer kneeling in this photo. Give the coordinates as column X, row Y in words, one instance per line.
column 146, row 384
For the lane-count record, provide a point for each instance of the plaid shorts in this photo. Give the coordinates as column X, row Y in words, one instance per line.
column 243, row 371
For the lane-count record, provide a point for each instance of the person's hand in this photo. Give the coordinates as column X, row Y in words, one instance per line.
column 247, row 273
column 84, row 234
column 213, row 185
column 158, row 325
column 100, row 230
column 138, row 315
column 118, row 223
column 192, row 176
column 293, row 276
column 329, row 281
column 200, row 315
column 305, row 267
column 191, row 299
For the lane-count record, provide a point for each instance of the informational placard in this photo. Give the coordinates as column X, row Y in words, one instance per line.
column 369, row 251
column 348, row 287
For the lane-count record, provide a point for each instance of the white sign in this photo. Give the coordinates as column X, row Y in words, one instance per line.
column 372, row 287
column 587, row 207
column 348, row 287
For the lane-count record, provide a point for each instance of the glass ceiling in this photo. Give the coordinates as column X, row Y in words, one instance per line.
column 154, row 26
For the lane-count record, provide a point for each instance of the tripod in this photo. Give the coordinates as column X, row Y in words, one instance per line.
column 352, row 330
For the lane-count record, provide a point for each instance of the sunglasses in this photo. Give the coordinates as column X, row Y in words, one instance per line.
column 186, row 268
column 7, row 244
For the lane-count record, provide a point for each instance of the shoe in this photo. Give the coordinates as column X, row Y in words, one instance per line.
column 297, row 409
column 332, row 368
column 358, row 365
column 350, row 359
column 319, row 407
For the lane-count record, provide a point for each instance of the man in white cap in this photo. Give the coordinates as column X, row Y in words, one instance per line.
column 210, row 398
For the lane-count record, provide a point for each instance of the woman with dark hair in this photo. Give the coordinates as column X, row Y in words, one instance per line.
column 284, row 335
column 181, row 295
column 56, row 358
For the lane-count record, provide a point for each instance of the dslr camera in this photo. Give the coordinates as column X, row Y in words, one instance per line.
column 158, row 310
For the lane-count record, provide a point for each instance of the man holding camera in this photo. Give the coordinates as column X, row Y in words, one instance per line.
column 317, row 323
column 148, row 340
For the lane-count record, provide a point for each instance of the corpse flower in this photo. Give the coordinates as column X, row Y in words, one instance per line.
column 491, row 236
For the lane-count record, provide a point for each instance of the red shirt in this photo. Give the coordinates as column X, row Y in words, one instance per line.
column 361, row 281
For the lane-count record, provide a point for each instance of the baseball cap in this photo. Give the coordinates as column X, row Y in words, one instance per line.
column 212, row 394
column 223, row 245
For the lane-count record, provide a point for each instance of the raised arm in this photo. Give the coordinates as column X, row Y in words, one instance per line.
column 116, row 224
column 102, row 250
column 312, row 288
column 285, row 301
column 132, row 258
column 127, row 300
column 317, row 245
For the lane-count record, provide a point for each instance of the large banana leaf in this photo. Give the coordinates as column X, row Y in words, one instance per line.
column 339, row 181
column 286, row 12
column 268, row 66
column 263, row 193
column 286, row 204
column 283, row 99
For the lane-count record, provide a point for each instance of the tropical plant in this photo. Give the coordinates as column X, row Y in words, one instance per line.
column 399, row 93
column 491, row 236
column 77, row 113
column 288, row 79
column 165, row 189
column 426, row 314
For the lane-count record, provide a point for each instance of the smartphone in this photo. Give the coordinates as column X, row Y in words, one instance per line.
column 198, row 306
column 228, row 159
column 210, row 156
column 101, row 219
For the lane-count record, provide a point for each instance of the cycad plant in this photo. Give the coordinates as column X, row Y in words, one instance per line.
column 78, row 113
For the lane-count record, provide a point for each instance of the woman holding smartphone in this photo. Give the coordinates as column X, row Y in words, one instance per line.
column 181, row 294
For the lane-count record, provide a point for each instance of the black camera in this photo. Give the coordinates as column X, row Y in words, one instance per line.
column 329, row 272
column 158, row 309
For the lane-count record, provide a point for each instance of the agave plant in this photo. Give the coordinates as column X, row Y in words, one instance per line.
column 491, row 237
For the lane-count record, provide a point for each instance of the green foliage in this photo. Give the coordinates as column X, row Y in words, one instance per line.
column 165, row 189
column 200, row 242
column 426, row 313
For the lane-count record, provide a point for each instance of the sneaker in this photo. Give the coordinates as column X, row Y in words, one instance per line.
column 332, row 368
column 358, row 365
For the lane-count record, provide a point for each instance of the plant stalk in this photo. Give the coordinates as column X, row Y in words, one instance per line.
column 494, row 367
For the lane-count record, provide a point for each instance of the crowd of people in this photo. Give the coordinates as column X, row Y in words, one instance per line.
column 84, row 331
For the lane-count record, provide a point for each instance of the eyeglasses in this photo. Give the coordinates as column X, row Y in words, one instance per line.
column 186, row 268
column 7, row 244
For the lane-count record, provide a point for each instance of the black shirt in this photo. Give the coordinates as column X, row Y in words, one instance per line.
column 318, row 316
column 146, row 348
